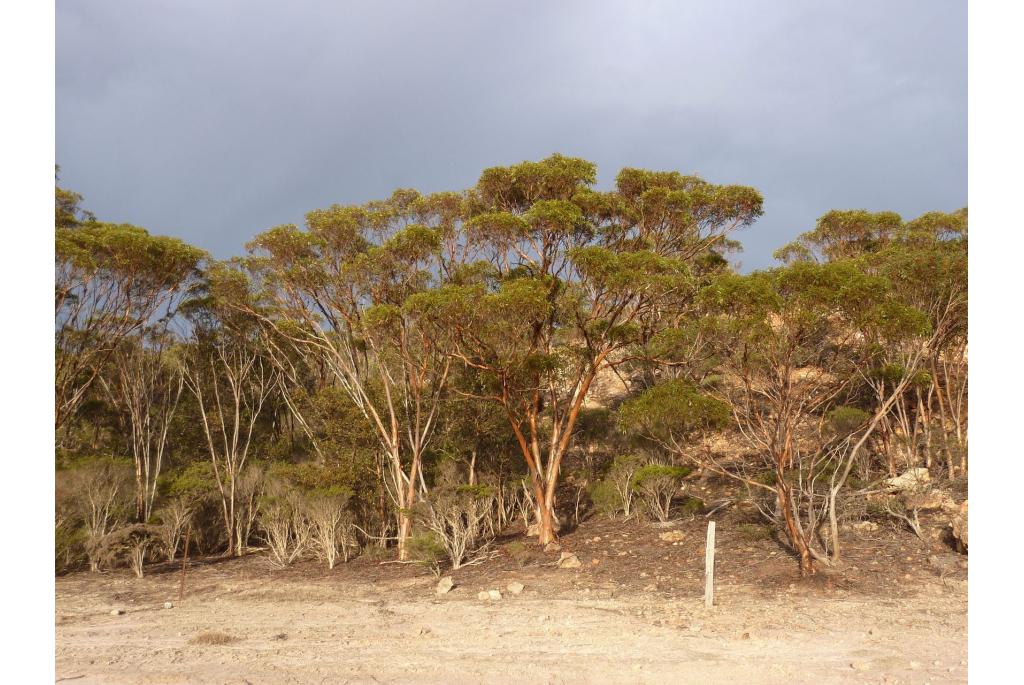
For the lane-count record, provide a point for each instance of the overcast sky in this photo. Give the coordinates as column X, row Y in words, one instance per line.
column 215, row 120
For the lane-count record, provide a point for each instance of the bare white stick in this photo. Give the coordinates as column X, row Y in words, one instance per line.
column 709, row 567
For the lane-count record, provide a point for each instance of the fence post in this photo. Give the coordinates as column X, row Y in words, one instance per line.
column 709, row 567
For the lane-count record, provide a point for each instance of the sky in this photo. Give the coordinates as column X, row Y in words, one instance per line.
column 213, row 121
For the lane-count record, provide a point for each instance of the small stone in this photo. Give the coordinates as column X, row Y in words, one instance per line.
column 914, row 665
column 168, row 605
column 745, row 636
column 595, row 561
column 552, row 547
column 860, row 666
column 672, row 536
column 116, row 612
column 444, row 586
column 483, row 595
column 493, row 595
column 596, row 538
column 515, row 588
column 936, row 663
column 569, row 560
column 695, row 627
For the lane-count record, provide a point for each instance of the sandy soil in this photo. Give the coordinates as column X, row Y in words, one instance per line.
column 632, row 614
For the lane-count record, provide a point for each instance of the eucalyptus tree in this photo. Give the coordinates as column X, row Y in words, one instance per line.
column 791, row 343
column 145, row 384
column 111, row 281
column 925, row 261
column 566, row 280
column 336, row 293
column 226, row 370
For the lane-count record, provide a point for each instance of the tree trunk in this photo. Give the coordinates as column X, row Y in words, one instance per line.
column 793, row 530
column 546, row 520
column 140, row 510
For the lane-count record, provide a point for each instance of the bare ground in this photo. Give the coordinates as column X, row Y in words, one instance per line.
column 895, row 613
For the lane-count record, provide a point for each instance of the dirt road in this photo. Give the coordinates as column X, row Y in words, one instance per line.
column 340, row 627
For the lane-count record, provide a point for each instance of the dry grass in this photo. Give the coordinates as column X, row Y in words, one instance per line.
column 212, row 638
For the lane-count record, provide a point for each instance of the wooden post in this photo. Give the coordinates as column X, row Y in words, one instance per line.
column 709, row 567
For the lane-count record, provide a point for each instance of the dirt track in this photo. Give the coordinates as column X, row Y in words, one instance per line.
column 366, row 623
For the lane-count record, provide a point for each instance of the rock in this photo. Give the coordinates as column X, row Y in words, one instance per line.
column 672, row 536
column 494, row 595
column 444, row 586
column 569, row 560
column 865, row 526
column 860, row 666
column 913, row 479
column 552, row 547
column 116, row 612
column 929, row 500
column 959, row 525
column 482, row 595
column 168, row 605
column 515, row 588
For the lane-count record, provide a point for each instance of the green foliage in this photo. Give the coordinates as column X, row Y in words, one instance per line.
column 672, row 409
column 844, row 420
column 606, row 498
column 427, row 549
column 754, row 532
column 197, row 481
column 518, row 553
column 70, row 539
column 655, row 472
column 691, row 506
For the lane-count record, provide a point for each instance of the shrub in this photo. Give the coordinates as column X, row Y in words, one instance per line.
column 691, row 506
column 130, row 545
column 98, row 492
column 459, row 517
column 175, row 517
column 69, row 544
column 519, row 553
column 282, row 522
column 197, row 485
column 655, row 485
column 330, row 524
column 844, row 420
column 605, row 497
column 425, row 548
column 614, row 493
column 754, row 531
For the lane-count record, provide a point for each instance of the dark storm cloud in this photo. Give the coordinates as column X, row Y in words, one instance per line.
column 215, row 120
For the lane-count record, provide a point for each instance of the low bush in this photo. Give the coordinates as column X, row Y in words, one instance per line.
column 130, row 545
column 655, row 485
column 425, row 548
column 460, row 517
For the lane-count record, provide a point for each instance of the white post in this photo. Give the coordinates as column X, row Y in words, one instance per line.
column 709, row 567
